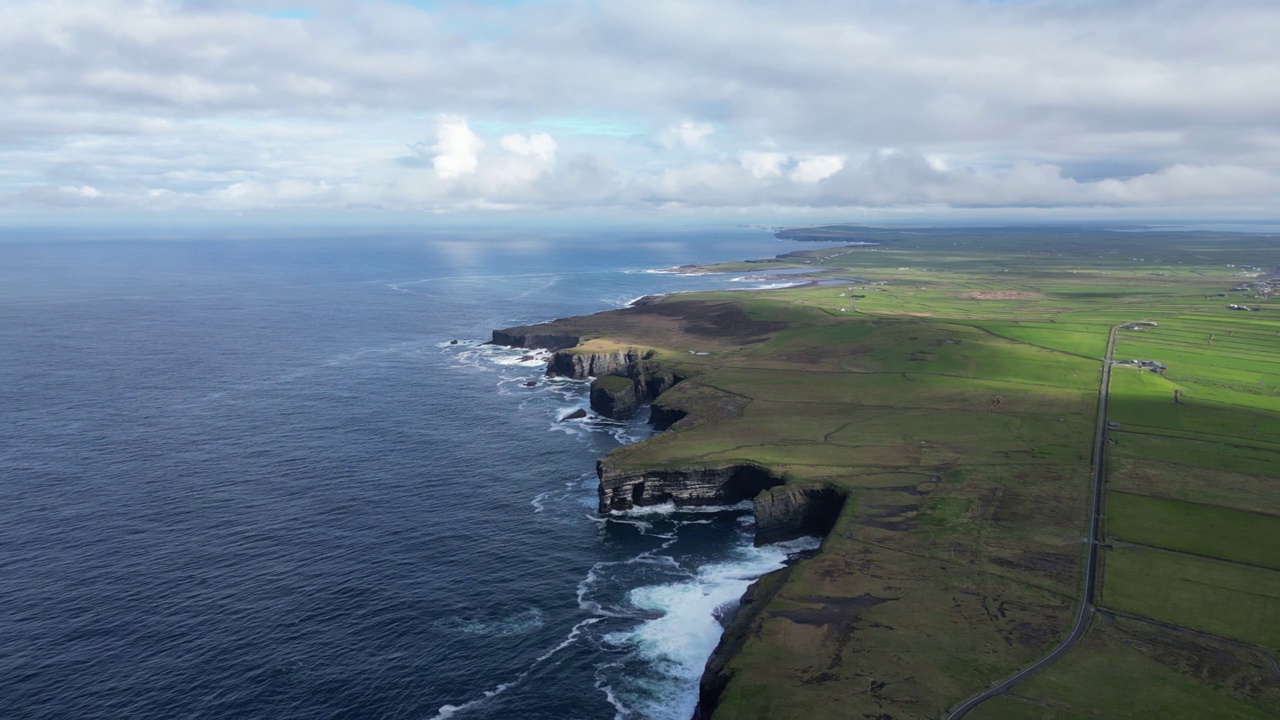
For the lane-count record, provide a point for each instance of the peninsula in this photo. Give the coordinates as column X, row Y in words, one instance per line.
column 1043, row 456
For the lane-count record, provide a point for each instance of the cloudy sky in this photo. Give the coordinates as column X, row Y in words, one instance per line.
column 815, row 108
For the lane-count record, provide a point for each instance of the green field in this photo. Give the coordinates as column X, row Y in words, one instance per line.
column 1235, row 601
column 1207, row 483
column 1123, row 670
column 948, row 382
column 1223, row 533
column 1208, row 454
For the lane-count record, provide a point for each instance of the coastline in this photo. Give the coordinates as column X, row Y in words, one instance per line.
column 933, row 423
column 625, row 379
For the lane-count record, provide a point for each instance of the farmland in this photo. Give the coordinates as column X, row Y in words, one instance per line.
column 947, row 382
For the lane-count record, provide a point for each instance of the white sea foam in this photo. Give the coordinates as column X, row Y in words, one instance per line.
column 526, row 358
column 602, row 573
column 510, row 626
column 678, row 641
column 448, row 711
column 573, row 637
column 642, row 525
column 537, row 501
column 670, row 508
column 676, row 271
column 400, row 286
column 585, row 591
column 620, row 711
column 517, row 368
column 483, row 357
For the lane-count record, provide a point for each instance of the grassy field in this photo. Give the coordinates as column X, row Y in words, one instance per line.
column 1235, row 601
column 1209, row 484
column 1242, row 537
column 948, row 381
column 1125, row 669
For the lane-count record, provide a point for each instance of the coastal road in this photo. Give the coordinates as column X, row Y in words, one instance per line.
column 1090, row 576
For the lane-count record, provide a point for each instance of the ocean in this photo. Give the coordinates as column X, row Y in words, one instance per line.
column 257, row 478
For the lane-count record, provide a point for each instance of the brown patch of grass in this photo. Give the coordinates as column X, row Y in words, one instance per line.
column 674, row 325
column 1002, row 295
column 722, row 321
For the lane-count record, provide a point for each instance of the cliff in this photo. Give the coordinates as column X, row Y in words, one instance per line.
column 626, row 489
column 534, row 338
column 744, row 624
column 582, row 364
column 662, row 416
column 792, row 511
column 625, row 379
column 782, row 513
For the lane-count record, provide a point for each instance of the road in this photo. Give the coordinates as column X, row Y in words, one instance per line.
column 1090, row 576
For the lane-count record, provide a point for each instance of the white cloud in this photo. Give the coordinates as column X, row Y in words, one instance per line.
column 174, row 104
column 541, row 145
column 456, row 147
column 687, row 134
column 763, row 164
column 819, row 167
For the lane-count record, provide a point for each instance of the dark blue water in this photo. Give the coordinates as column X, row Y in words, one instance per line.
column 254, row 479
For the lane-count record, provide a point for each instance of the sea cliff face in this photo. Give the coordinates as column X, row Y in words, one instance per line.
column 624, row 489
column 623, row 380
column 792, row 511
column 662, row 417
column 530, row 337
column 745, row 623
column 581, row 365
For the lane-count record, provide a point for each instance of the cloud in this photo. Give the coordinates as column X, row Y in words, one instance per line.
column 169, row 105
column 687, row 133
column 763, row 164
column 819, row 167
column 456, row 147
column 540, row 145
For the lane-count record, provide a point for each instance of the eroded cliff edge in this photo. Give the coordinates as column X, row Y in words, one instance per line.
column 623, row 380
column 626, row 377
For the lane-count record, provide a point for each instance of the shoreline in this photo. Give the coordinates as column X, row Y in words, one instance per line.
column 622, row 382
column 952, row 397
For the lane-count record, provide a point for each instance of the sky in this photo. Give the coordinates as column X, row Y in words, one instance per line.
column 809, row 109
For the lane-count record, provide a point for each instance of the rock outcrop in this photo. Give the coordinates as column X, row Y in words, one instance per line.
column 792, row 511
column 627, row 489
column 580, row 365
column 615, row 396
column 532, row 338
column 624, row 381
column 663, row 416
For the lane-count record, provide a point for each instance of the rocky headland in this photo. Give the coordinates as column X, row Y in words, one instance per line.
column 939, row 434
column 626, row 378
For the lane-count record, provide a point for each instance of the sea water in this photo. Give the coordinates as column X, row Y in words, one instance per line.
column 258, row 478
